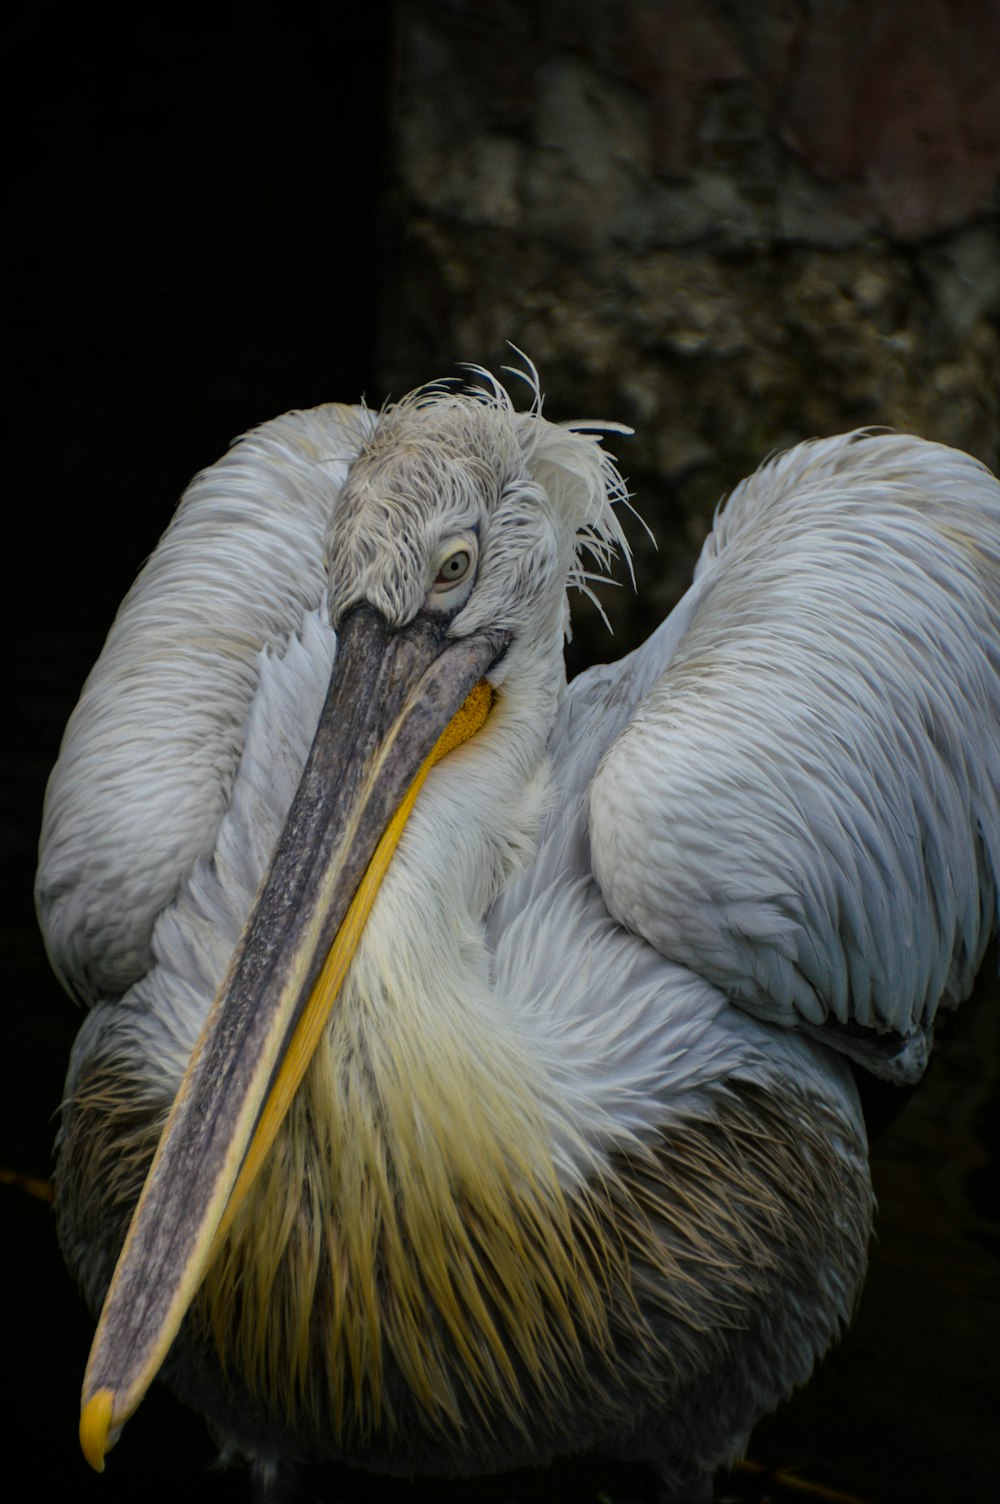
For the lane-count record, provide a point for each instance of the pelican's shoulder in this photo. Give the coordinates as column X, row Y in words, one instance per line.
column 149, row 754
column 847, row 482
column 803, row 807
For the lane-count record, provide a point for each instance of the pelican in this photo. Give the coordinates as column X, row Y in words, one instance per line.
column 468, row 1072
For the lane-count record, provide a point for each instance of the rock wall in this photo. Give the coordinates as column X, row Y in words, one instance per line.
column 731, row 226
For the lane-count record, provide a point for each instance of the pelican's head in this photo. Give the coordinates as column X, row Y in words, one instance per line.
column 451, row 545
column 474, row 515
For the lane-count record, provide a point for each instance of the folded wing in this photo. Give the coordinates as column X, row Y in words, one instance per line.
column 804, row 807
column 147, row 764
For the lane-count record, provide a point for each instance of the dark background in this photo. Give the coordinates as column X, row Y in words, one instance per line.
column 193, row 243
column 196, row 245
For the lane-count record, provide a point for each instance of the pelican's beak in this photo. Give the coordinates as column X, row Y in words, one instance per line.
column 398, row 700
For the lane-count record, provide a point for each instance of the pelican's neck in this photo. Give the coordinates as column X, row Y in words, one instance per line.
column 416, row 1169
column 414, row 1255
column 421, row 978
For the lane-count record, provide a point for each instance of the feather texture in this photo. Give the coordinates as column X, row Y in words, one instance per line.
column 805, row 807
column 543, row 1185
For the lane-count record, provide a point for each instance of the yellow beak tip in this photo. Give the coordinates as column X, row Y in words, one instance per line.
column 95, row 1425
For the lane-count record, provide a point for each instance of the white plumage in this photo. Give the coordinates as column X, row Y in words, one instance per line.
column 812, row 783
column 629, row 932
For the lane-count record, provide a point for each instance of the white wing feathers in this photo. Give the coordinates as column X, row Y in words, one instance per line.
column 800, row 796
column 805, row 807
column 149, row 755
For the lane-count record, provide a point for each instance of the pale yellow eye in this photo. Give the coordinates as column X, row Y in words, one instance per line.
column 454, row 569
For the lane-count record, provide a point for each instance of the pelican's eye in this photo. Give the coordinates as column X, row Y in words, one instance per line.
column 454, row 569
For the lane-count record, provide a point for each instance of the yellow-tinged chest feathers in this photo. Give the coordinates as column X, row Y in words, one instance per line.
column 409, row 1265
column 406, row 1236
column 409, row 1282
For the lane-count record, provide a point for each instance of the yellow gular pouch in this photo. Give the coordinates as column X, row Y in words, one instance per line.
column 469, row 718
